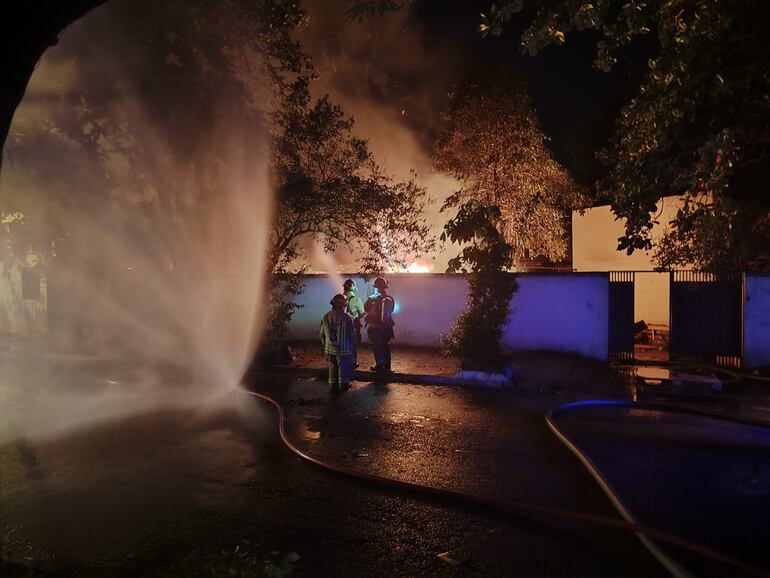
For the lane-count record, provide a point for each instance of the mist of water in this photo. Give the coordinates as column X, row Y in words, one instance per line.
column 144, row 312
column 330, row 265
column 152, row 296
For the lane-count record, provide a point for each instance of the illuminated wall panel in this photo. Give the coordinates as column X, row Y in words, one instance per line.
column 756, row 321
column 558, row 312
column 567, row 312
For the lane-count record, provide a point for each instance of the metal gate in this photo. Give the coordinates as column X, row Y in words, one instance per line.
column 621, row 315
column 706, row 317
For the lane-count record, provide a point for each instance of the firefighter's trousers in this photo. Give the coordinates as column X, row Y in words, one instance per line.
column 340, row 370
column 380, row 338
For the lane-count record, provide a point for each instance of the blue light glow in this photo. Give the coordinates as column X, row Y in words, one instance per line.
column 594, row 402
column 590, row 403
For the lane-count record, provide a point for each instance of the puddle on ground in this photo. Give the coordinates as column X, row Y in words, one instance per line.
column 403, row 417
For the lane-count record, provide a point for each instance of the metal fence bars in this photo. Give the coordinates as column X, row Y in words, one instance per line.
column 621, row 315
column 706, row 317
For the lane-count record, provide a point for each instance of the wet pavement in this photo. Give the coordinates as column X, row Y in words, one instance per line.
column 475, row 441
column 194, row 484
column 702, row 478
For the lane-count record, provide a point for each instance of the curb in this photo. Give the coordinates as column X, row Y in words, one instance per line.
column 412, row 378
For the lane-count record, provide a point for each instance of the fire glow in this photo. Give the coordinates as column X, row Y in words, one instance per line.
column 418, row 266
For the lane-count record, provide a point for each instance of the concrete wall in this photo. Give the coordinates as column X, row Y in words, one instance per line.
column 560, row 312
column 567, row 312
column 756, row 321
column 595, row 235
column 652, row 298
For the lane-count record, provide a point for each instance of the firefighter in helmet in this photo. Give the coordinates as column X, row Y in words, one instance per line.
column 355, row 308
column 338, row 339
column 379, row 324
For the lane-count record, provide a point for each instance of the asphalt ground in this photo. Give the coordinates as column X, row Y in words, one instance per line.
column 703, row 478
column 179, row 487
column 190, row 484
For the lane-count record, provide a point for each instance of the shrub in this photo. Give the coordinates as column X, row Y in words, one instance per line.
column 485, row 261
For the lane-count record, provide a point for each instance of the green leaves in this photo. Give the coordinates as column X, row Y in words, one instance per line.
column 698, row 126
column 330, row 188
column 363, row 9
column 499, row 14
column 493, row 144
column 485, row 260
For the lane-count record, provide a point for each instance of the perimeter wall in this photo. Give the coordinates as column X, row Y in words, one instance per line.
column 564, row 312
column 756, row 321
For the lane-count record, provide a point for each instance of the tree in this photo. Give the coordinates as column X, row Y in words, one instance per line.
column 329, row 187
column 136, row 168
column 27, row 30
column 239, row 56
column 723, row 234
column 698, row 126
column 151, row 140
column 151, row 131
column 485, row 260
column 149, row 134
column 494, row 145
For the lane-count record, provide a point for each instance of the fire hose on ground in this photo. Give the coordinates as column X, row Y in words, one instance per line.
column 646, row 534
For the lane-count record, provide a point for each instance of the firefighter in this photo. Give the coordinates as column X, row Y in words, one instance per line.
column 379, row 324
column 355, row 308
column 338, row 339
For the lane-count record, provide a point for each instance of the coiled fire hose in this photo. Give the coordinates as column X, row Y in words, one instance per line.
column 645, row 533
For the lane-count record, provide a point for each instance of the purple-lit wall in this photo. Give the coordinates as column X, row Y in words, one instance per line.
column 756, row 321
column 559, row 312
column 567, row 312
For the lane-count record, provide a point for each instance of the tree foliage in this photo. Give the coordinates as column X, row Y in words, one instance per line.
column 153, row 130
column 719, row 233
column 485, row 260
column 330, row 187
column 26, row 32
column 361, row 9
column 493, row 144
column 698, row 126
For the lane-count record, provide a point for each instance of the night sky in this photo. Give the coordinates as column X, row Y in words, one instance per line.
column 429, row 46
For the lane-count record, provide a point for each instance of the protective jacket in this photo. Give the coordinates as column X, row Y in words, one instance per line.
column 379, row 311
column 338, row 334
column 355, row 306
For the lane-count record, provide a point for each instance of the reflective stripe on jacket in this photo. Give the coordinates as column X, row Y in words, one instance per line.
column 337, row 333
